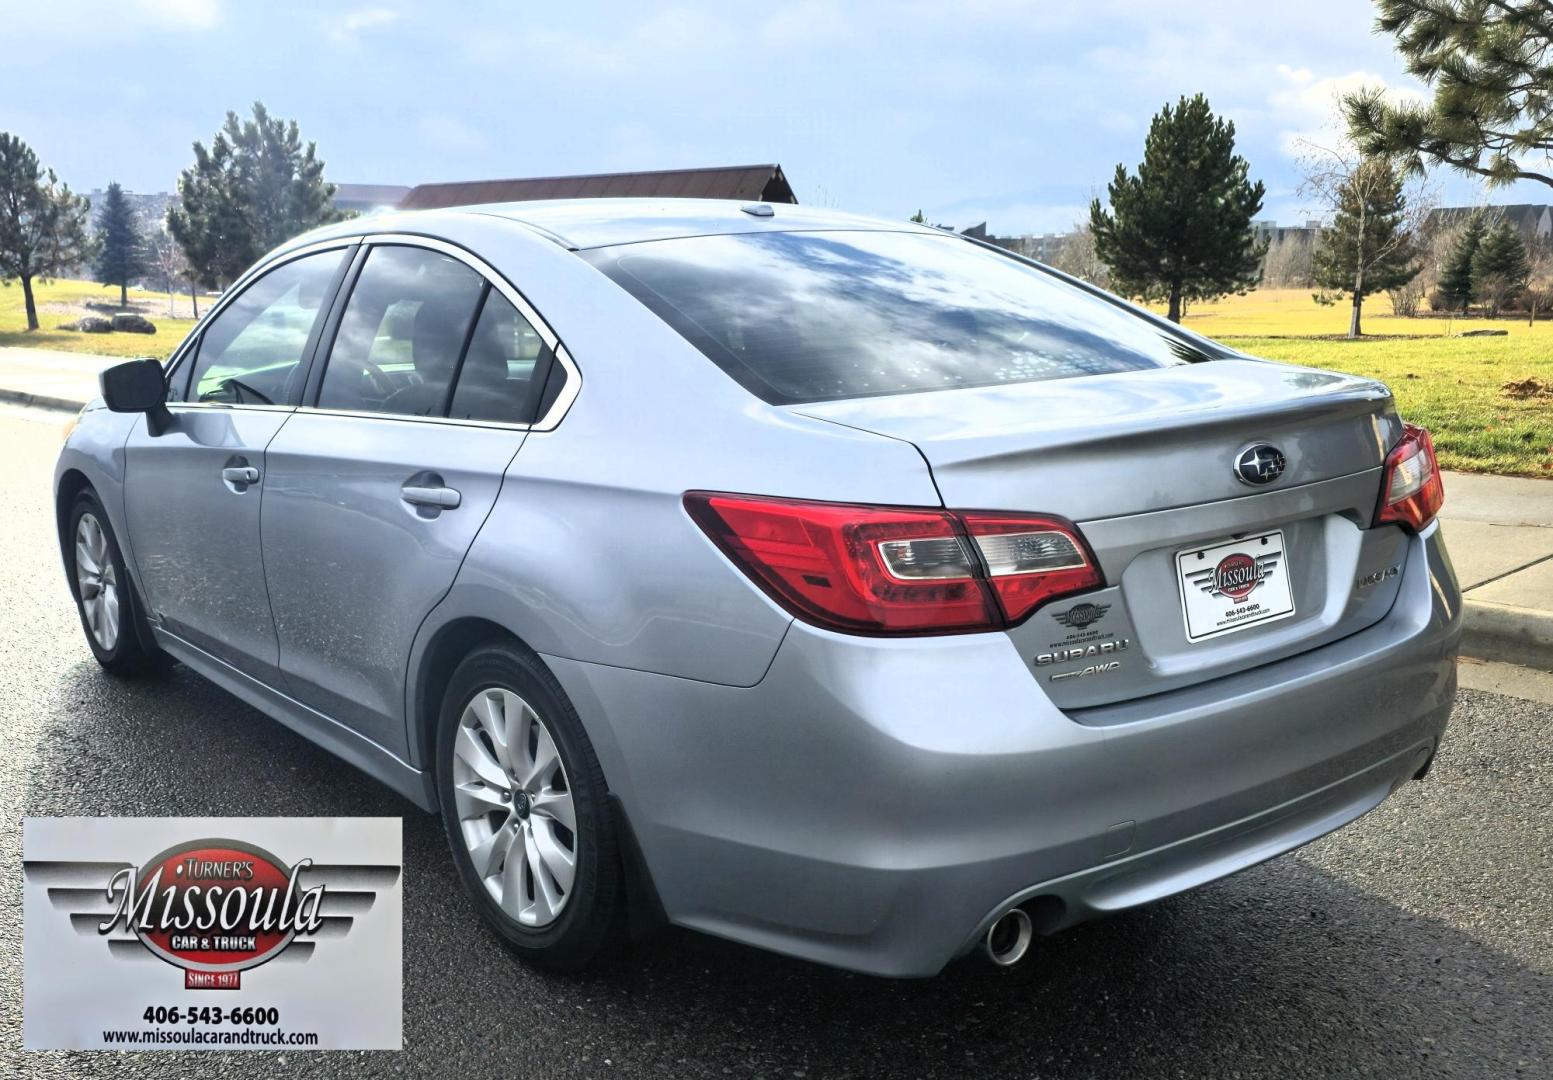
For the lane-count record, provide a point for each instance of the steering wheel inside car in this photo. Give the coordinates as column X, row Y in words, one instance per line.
column 382, row 385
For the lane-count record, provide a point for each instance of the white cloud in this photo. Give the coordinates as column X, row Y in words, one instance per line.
column 349, row 26
column 672, row 43
column 805, row 24
column 443, row 131
column 1306, row 111
column 183, row 14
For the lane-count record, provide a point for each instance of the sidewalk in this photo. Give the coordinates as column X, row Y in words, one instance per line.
column 50, row 380
column 1499, row 529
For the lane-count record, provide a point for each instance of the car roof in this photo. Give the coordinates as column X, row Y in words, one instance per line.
column 592, row 223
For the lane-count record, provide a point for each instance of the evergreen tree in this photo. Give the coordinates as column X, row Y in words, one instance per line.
column 1487, row 62
column 256, row 187
column 1368, row 248
column 1456, row 276
column 121, row 253
column 42, row 225
column 1500, row 267
column 1181, row 228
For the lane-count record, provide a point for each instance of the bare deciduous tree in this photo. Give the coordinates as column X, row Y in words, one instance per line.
column 1349, row 187
column 169, row 265
column 1076, row 255
column 1539, row 284
column 1287, row 263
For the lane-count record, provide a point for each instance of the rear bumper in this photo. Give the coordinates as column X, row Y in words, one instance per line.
column 873, row 804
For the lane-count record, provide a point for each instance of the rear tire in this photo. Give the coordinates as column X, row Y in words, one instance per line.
column 527, row 811
column 111, row 616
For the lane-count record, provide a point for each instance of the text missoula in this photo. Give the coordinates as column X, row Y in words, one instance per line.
column 219, row 903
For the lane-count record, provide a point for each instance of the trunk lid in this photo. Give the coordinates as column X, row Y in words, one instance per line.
column 1144, row 463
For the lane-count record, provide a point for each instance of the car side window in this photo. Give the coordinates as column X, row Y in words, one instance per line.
column 252, row 352
column 497, row 379
column 402, row 333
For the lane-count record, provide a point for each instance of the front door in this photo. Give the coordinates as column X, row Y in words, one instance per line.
column 192, row 493
column 374, row 497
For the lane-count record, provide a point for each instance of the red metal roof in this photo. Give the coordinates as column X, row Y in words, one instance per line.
column 750, row 183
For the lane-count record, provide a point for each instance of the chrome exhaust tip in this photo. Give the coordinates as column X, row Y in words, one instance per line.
column 1009, row 937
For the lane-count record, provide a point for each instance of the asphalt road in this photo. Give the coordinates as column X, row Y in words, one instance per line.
column 1417, row 942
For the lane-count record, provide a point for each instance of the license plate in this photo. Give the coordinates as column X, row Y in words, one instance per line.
column 1234, row 585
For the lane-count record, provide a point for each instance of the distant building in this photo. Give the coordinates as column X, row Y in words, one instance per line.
column 1276, row 234
column 1043, row 248
column 365, row 198
column 1533, row 220
column 748, row 183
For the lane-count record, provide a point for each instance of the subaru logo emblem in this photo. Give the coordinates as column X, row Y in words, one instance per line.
column 1260, row 464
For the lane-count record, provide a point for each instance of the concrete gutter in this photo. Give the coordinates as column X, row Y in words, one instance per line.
column 1508, row 634
column 39, row 401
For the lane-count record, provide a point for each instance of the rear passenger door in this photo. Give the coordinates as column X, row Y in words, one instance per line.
column 431, row 367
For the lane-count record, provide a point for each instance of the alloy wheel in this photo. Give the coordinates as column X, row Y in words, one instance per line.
column 97, row 581
column 515, row 807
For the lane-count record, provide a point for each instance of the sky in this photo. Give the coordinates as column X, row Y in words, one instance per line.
column 1015, row 113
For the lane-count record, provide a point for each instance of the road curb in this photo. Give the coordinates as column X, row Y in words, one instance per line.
column 1508, row 634
column 39, row 401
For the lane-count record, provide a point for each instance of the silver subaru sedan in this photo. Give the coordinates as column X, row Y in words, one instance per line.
column 843, row 587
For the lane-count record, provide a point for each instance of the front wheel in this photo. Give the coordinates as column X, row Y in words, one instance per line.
column 110, row 613
column 526, row 809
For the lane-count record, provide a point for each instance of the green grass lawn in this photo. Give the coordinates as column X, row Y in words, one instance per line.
column 1455, row 386
column 66, row 301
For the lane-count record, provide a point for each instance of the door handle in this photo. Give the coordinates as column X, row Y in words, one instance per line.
column 240, row 474
column 441, row 498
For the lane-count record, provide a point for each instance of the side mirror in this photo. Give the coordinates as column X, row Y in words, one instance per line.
column 138, row 386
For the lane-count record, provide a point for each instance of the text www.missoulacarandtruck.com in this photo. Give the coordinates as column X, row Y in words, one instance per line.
column 202, row 1037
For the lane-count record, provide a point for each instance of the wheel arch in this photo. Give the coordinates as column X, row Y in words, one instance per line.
column 439, row 651
column 67, row 489
column 442, row 651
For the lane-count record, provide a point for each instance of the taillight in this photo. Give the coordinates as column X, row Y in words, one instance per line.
column 1412, row 490
column 882, row 570
column 1030, row 559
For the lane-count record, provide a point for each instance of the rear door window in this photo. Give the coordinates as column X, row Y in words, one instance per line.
column 498, row 378
column 402, row 333
column 798, row 317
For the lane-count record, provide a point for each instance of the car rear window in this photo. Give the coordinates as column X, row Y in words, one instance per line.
column 819, row 316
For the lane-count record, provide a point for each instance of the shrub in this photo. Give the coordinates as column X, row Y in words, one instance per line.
column 131, row 323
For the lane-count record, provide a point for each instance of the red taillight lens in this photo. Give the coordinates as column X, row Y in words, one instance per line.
column 880, row 570
column 1412, row 490
column 1031, row 559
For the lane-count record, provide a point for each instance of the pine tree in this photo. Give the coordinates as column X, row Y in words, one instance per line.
column 1181, row 228
column 1367, row 249
column 256, row 187
column 42, row 225
column 1500, row 267
column 1456, row 276
column 121, row 253
column 1487, row 62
